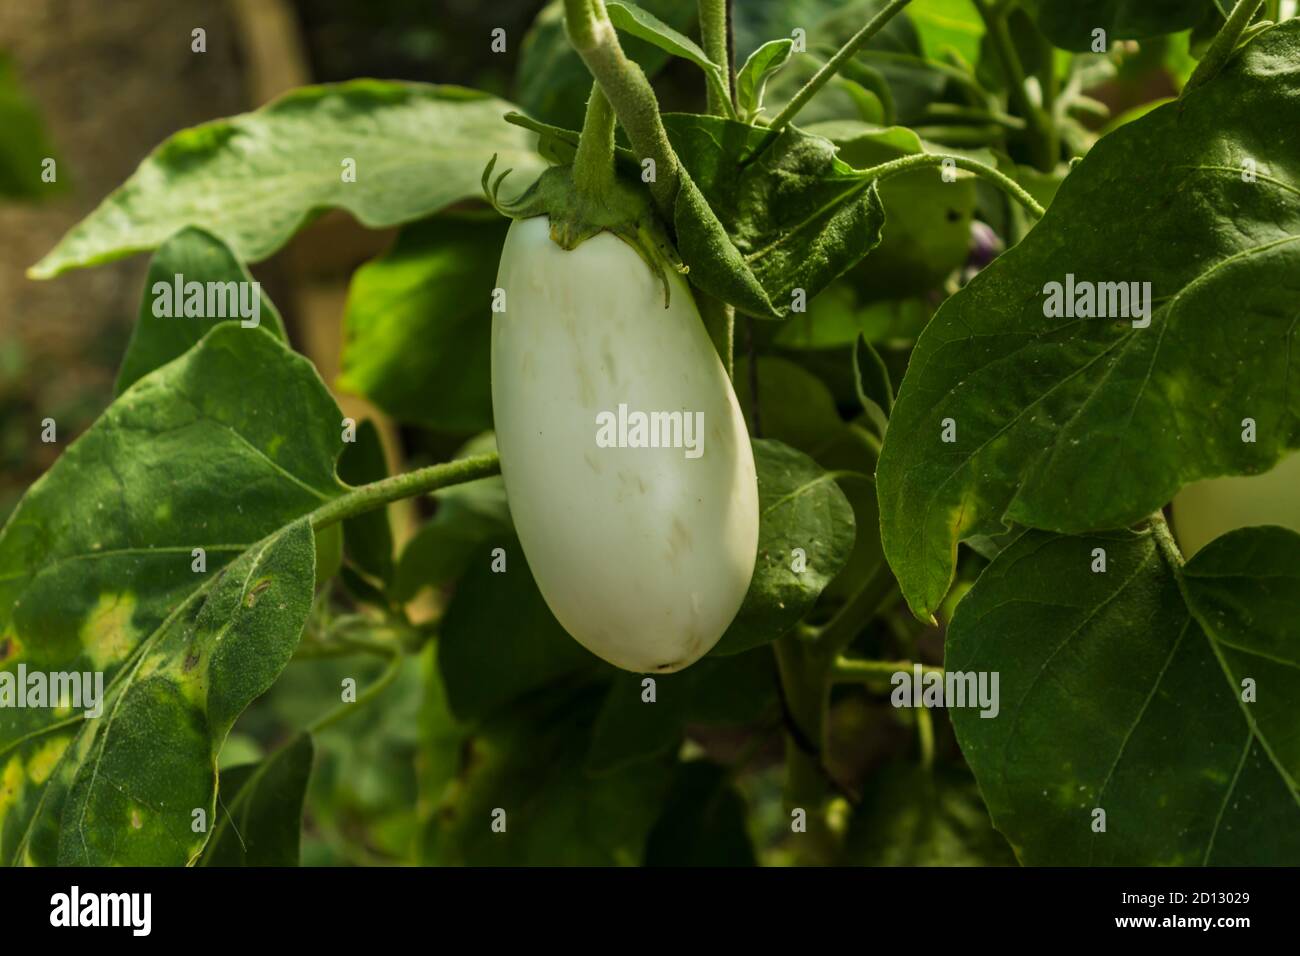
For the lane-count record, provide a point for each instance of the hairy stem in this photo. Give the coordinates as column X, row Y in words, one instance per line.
column 629, row 92
column 365, row 498
column 1221, row 49
column 830, row 69
column 593, row 164
column 713, row 31
column 1001, row 180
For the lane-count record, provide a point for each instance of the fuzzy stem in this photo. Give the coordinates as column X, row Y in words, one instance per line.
column 593, row 164
column 918, row 160
column 629, row 92
column 713, row 31
column 1221, row 49
column 832, row 67
column 377, row 494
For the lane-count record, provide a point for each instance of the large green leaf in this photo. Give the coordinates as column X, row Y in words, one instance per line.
column 800, row 506
column 799, row 216
column 417, row 329
column 1075, row 424
column 1114, row 697
column 254, row 179
column 527, row 763
column 195, row 256
column 216, row 450
column 1070, row 23
column 259, row 820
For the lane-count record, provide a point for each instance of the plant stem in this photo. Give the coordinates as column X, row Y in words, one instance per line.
column 1042, row 136
column 629, row 92
column 845, row 671
column 377, row 494
column 593, row 164
column 918, row 160
column 831, row 67
column 366, row 696
column 1165, row 540
column 1221, row 49
column 713, row 31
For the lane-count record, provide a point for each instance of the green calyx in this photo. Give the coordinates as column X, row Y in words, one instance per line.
column 578, row 213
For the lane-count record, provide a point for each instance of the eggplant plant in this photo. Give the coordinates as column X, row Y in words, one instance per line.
column 815, row 451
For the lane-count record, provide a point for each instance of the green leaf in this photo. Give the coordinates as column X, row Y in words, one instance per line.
column 1070, row 23
column 418, row 329
column 217, row 450
column 800, row 506
column 794, row 406
column 499, row 640
column 752, row 79
column 552, row 83
column 1113, row 697
column 909, row 816
column 948, row 24
column 368, row 538
column 24, row 146
column 703, row 821
column 528, row 763
column 197, row 257
column 259, row 817
column 641, row 23
column 1076, row 424
column 253, row 180
column 872, row 381
column 797, row 216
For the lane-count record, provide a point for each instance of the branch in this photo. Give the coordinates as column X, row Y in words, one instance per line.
column 1221, row 49
column 377, row 494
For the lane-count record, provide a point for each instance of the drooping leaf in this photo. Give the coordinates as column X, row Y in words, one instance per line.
column 800, row 506
column 1070, row 23
column 499, row 640
column 524, row 771
column 253, row 180
column 552, row 83
column 1081, row 423
column 191, row 255
column 872, row 380
column 751, row 81
column 1114, row 698
column 24, row 146
column 909, row 816
column 217, row 450
column 798, row 216
column 639, row 22
column 259, row 815
column 368, row 538
column 417, row 329
column 703, row 821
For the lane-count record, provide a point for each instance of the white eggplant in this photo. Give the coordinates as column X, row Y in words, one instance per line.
column 643, row 554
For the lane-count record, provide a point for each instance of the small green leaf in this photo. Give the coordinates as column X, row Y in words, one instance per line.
column 871, row 379
column 641, row 23
column 191, row 255
column 368, row 538
column 1113, row 697
column 418, row 327
column 259, row 816
column 797, row 217
column 752, row 79
column 800, row 506
column 703, row 821
column 1081, row 423
column 255, row 179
